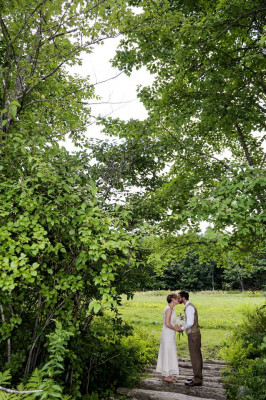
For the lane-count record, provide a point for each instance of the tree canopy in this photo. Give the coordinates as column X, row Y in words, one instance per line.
column 199, row 155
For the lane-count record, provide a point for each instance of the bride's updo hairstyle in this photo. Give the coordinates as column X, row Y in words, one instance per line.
column 170, row 297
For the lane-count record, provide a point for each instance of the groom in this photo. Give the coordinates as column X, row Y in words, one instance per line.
column 194, row 338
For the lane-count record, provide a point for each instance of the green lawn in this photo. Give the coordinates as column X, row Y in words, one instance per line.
column 218, row 313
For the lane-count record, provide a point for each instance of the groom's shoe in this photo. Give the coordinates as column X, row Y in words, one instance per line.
column 192, row 383
column 189, row 380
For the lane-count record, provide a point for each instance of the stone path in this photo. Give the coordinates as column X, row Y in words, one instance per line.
column 153, row 388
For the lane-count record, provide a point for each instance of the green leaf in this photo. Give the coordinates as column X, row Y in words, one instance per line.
column 96, row 308
column 15, row 103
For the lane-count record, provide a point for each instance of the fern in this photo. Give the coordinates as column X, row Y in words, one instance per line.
column 38, row 380
column 50, row 390
column 35, row 380
column 34, row 383
column 4, row 396
column 5, row 377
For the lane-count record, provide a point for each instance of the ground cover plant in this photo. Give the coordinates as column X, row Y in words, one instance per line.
column 219, row 313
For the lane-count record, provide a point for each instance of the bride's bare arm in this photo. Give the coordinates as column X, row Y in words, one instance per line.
column 168, row 319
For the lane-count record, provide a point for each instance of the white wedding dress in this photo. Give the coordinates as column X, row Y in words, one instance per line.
column 167, row 363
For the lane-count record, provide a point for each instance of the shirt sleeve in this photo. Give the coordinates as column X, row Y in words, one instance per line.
column 190, row 312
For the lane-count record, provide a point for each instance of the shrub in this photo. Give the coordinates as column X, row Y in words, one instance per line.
column 246, row 357
column 107, row 356
column 91, row 367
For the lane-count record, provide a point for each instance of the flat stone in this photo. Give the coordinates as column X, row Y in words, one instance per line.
column 210, row 361
column 143, row 394
column 188, row 372
column 207, row 378
column 205, row 372
column 217, row 393
column 206, row 360
column 187, row 364
column 211, row 382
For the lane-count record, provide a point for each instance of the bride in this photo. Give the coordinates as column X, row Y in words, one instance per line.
column 167, row 363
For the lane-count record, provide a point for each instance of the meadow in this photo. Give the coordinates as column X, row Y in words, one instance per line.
column 219, row 312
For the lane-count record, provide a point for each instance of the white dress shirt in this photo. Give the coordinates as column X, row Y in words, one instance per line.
column 190, row 313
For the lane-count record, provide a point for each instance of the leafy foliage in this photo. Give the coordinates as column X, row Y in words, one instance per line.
column 66, row 254
column 63, row 254
column 108, row 356
column 94, row 356
column 38, row 383
column 192, row 275
column 40, row 39
column 198, row 157
column 245, row 352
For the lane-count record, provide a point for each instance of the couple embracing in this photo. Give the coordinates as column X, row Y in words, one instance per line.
column 167, row 363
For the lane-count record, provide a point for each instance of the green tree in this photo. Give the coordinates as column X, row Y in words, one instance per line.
column 39, row 40
column 237, row 276
column 65, row 253
column 199, row 154
column 189, row 274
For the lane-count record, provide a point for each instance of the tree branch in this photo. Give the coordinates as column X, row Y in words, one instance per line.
column 106, row 102
column 72, row 93
column 197, row 152
column 212, row 242
column 47, row 322
column 88, row 321
column 62, row 34
column 8, row 339
column 66, row 59
column 238, row 18
column 27, row 20
column 19, row 391
column 244, row 145
column 107, row 80
column 263, row 161
column 45, row 77
column 5, row 34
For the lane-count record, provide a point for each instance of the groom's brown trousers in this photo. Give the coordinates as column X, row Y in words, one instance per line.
column 194, row 345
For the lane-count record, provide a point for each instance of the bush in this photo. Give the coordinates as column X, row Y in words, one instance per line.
column 106, row 357
column 92, row 365
column 246, row 357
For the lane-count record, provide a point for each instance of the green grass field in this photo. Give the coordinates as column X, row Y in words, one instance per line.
column 219, row 312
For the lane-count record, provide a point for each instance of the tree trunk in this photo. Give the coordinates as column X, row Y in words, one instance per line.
column 241, row 278
column 244, row 145
column 8, row 339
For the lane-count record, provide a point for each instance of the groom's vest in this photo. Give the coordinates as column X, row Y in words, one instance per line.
column 195, row 327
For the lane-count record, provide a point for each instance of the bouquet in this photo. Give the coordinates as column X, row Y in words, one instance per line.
column 180, row 321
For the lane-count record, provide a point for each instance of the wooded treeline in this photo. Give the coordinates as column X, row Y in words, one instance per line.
column 192, row 275
column 67, row 250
